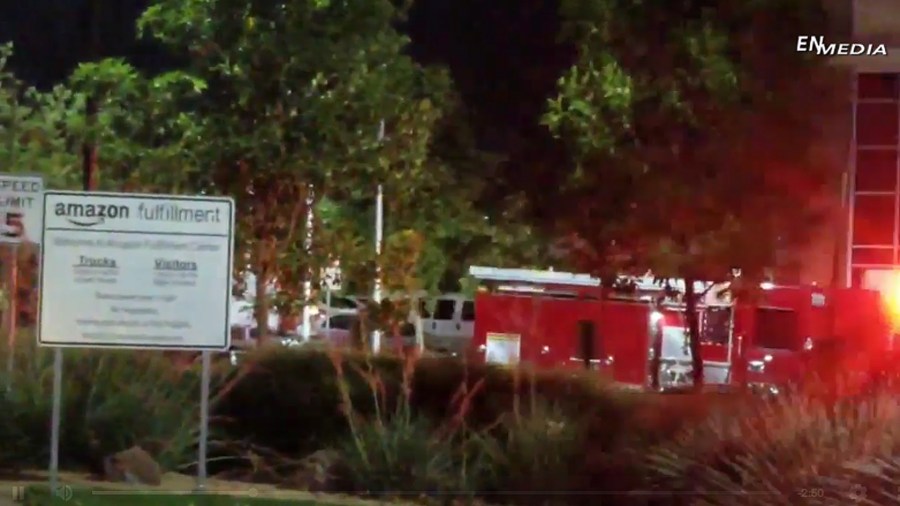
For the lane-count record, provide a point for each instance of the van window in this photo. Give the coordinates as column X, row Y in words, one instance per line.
column 777, row 329
column 343, row 321
column 445, row 309
column 343, row 303
column 715, row 325
column 468, row 311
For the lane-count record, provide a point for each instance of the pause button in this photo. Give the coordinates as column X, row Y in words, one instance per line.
column 18, row 493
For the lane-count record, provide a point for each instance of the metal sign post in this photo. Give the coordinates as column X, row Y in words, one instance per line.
column 204, row 420
column 12, row 312
column 143, row 272
column 55, row 416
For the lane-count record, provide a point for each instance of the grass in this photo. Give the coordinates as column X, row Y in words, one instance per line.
column 39, row 495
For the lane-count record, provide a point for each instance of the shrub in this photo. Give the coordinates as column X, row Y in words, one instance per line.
column 291, row 388
column 110, row 401
column 529, row 449
column 288, row 399
column 794, row 449
column 399, row 454
column 445, row 426
column 394, row 450
column 535, row 454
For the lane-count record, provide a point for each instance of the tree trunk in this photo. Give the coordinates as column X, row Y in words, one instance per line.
column 360, row 336
column 693, row 328
column 288, row 323
column 89, row 150
column 261, row 306
column 417, row 321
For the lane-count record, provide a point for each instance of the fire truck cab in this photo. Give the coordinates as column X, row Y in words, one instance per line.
column 638, row 339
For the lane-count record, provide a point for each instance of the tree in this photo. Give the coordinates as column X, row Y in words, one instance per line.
column 138, row 130
column 472, row 223
column 691, row 127
column 437, row 223
column 32, row 140
column 138, row 125
column 295, row 95
column 33, row 126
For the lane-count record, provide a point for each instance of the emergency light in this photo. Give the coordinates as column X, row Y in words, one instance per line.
column 892, row 297
column 886, row 282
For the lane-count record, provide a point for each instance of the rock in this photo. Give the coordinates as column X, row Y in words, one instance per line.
column 133, row 465
column 316, row 472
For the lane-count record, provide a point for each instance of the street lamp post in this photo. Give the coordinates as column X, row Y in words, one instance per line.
column 379, row 236
column 306, row 329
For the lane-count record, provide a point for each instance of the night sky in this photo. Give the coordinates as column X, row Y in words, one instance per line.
column 503, row 55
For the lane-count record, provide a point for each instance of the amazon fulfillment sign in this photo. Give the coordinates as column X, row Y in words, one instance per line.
column 136, row 271
column 91, row 214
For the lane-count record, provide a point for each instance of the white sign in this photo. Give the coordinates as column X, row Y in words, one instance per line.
column 20, row 208
column 818, row 300
column 136, row 271
column 502, row 349
column 331, row 278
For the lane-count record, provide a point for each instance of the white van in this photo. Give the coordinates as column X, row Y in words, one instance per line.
column 449, row 327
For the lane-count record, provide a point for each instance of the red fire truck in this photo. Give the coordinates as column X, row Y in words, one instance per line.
column 638, row 338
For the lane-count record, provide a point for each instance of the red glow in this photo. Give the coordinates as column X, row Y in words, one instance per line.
column 887, row 283
column 891, row 296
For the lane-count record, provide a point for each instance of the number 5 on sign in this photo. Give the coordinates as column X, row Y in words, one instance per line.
column 13, row 226
column 21, row 208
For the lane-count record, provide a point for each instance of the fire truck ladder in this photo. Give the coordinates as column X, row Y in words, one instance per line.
column 532, row 276
column 646, row 283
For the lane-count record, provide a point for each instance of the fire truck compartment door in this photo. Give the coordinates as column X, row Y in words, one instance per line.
column 590, row 349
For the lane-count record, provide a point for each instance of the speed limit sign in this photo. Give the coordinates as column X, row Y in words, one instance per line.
column 21, row 208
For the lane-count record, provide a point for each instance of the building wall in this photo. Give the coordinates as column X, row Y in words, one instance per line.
column 875, row 21
column 865, row 143
column 823, row 261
